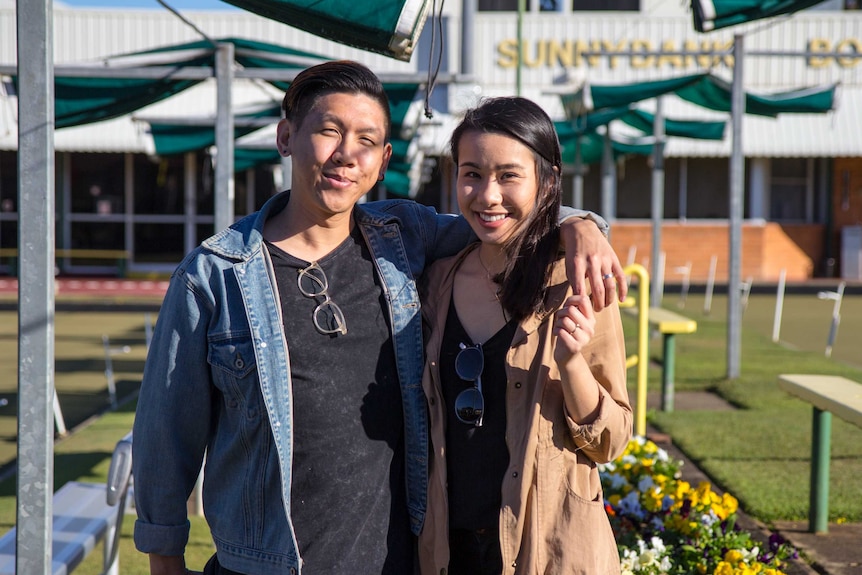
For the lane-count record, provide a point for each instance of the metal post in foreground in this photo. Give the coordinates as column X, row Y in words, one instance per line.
column 35, row 288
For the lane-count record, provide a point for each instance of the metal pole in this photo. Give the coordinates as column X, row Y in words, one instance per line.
column 224, row 189
column 578, row 179
column 737, row 192
column 468, row 17
column 609, row 201
column 657, row 204
column 36, row 287
column 520, row 30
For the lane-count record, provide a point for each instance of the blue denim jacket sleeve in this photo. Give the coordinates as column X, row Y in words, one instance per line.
column 172, row 420
column 444, row 235
column 566, row 212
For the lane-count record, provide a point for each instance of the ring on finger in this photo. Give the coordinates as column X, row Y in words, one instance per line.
column 577, row 327
column 607, row 276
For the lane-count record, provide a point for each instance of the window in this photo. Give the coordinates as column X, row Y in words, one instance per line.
column 607, row 5
column 97, row 184
column 790, row 190
column 529, row 5
column 498, row 5
column 159, row 185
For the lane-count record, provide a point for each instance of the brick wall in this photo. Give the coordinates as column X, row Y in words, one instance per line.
column 767, row 247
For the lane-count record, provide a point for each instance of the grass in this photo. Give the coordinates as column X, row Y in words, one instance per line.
column 761, row 451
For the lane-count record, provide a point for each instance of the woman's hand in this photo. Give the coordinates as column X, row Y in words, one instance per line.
column 575, row 325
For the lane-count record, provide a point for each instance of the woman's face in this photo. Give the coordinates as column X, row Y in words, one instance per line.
column 497, row 184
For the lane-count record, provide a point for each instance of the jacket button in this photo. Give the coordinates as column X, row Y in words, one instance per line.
column 238, row 363
column 517, row 385
column 514, row 474
column 432, row 401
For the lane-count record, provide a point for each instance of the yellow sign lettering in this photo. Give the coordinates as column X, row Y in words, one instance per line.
column 818, row 45
column 848, row 46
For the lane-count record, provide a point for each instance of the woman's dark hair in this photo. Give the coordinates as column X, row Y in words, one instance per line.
column 532, row 250
column 336, row 77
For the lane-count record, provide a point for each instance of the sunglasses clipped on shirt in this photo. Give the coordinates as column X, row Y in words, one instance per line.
column 327, row 316
column 470, row 403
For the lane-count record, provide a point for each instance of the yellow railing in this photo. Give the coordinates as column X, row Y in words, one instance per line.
column 641, row 357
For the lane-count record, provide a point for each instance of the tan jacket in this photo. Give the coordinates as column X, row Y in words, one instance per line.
column 552, row 519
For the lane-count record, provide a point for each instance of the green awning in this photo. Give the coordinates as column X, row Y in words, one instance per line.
column 714, row 93
column 704, row 90
column 643, row 121
column 701, row 130
column 714, row 14
column 247, row 158
column 391, row 28
column 178, row 139
column 79, row 100
column 592, row 145
column 589, row 122
column 614, row 96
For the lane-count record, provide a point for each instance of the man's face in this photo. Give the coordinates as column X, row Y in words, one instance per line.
column 339, row 152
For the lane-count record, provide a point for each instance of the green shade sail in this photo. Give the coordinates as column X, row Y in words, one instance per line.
column 624, row 94
column 597, row 105
column 700, row 130
column 592, row 145
column 79, row 101
column 178, row 139
column 391, row 28
column 714, row 93
column 714, row 14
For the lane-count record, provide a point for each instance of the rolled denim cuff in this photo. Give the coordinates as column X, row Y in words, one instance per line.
column 168, row 540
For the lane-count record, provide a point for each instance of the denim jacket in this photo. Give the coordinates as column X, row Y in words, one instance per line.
column 217, row 380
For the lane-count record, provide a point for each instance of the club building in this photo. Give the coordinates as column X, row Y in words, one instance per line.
column 126, row 207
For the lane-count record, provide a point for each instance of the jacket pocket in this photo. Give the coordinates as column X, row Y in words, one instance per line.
column 234, row 371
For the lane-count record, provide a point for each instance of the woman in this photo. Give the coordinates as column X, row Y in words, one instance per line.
column 525, row 382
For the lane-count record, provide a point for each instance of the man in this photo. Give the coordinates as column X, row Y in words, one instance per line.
column 289, row 349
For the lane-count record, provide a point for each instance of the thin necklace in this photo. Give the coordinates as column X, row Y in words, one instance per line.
column 497, row 287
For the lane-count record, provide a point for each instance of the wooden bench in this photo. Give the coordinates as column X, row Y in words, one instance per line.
column 83, row 515
column 669, row 324
column 828, row 394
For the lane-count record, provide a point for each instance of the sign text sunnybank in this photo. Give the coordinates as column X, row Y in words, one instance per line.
column 643, row 53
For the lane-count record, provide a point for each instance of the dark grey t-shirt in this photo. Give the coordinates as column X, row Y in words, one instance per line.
column 348, row 493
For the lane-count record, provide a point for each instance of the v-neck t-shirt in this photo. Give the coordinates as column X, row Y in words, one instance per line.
column 348, row 490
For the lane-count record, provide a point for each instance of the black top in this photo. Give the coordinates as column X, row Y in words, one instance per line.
column 476, row 457
column 348, row 493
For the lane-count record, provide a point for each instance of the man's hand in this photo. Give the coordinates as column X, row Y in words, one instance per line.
column 589, row 256
column 169, row 565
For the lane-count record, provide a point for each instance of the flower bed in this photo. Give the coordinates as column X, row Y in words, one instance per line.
column 665, row 525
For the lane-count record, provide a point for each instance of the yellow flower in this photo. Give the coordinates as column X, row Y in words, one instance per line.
column 723, row 568
column 733, row 556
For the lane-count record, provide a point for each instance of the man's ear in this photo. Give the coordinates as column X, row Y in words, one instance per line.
column 282, row 138
column 387, row 155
